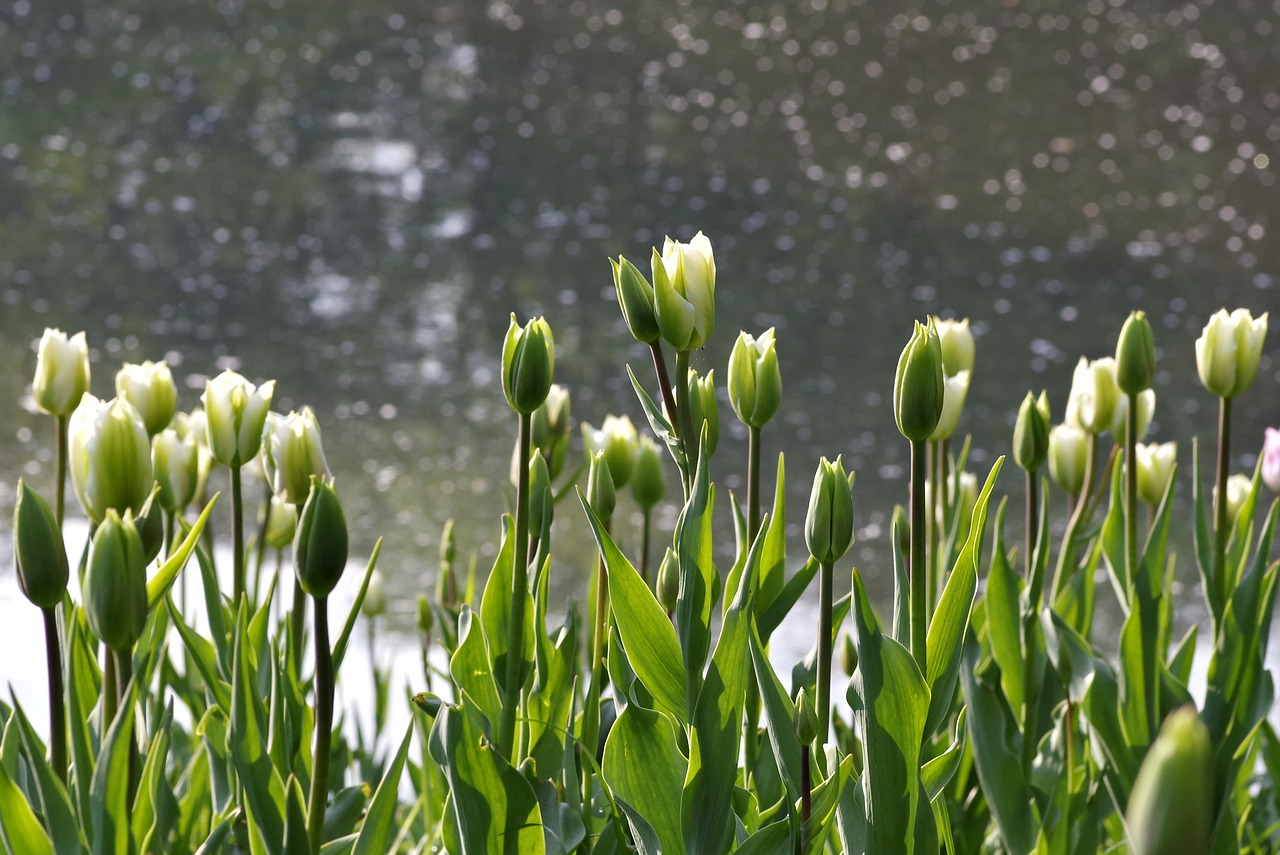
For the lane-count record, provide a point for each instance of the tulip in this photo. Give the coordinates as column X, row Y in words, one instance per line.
column 805, row 719
column 848, row 655
column 1068, row 457
column 235, row 413
column 918, row 387
column 1031, row 433
column 110, row 457
column 755, row 383
column 669, row 581
column 282, row 524
column 62, row 372
column 320, row 543
column 1172, row 803
column 1228, row 351
column 684, row 284
column 149, row 387
column 648, row 482
column 635, row 297
column 176, row 463
column 617, row 441
column 115, row 582
column 1155, row 469
column 1135, row 355
column 292, row 454
column 957, row 345
column 828, row 528
column 1238, row 488
column 1120, row 420
column 375, row 596
column 38, row 549
column 1094, row 395
column 600, row 487
column 194, row 427
column 955, row 389
column 550, row 428
column 1271, row 460
column 542, row 502
column 528, row 364
column 704, row 408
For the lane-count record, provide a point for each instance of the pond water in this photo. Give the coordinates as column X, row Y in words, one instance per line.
column 350, row 198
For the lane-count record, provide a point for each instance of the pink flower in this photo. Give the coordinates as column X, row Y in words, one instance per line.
column 1271, row 460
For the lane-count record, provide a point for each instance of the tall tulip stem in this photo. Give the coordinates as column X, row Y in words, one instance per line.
column 825, row 585
column 324, row 726
column 664, row 384
column 753, row 484
column 57, row 709
column 688, row 442
column 519, row 590
column 1221, row 525
column 237, row 536
column 60, row 468
column 1033, row 507
column 917, row 568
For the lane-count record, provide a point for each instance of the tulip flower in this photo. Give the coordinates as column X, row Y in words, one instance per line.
column 528, row 364
column 292, row 454
column 38, row 549
column 542, row 503
column 1031, row 433
column 1171, row 806
column 635, row 297
column 176, row 463
column 617, row 441
column 1271, row 460
column 320, row 543
column 375, row 596
column 704, row 408
column 669, row 581
column 1094, row 395
column 115, row 582
column 1228, row 351
column 62, row 372
column 755, row 383
column 918, row 386
column 648, row 482
column 955, row 389
column 149, row 387
column 550, row 428
column 957, row 345
column 110, row 457
column 1120, row 419
column 600, row 487
column 828, row 532
column 235, row 412
column 1068, row 457
column 1155, row 470
column 1135, row 355
column 282, row 524
column 684, row 284
column 1238, row 488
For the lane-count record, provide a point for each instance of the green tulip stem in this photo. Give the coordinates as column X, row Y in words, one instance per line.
column 237, row 537
column 806, row 804
column 825, row 585
column 297, row 620
column 260, row 546
column 1079, row 513
column 60, row 468
column 324, row 726
column 646, row 520
column 933, row 522
column 753, row 484
column 519, row 591
column 664, row 384
column 57, row 709
column 688, row 441
column 944, row 501
column 1221, row 525
column 1033, row 506
column 110, row 691
column 917, row 569
column 1131, row 494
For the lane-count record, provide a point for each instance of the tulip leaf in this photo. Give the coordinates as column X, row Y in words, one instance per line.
column 496, row 611
column 247, row 733
column 938, row 772
column 644, row 768
column 173, row 565
column 109, row 791
column 472, row 669
column 375, row 832
column 1004, row 590
column 20, row 830
column 344, row 637
column 770, row 616
column 694, row 541
column 52, row 800
column 779, row 717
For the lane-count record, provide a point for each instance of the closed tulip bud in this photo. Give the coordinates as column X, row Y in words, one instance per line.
column 176, row 464
column 1120, row 421
column 109, row 457
column 235, row 413
column 150, row 525
column 292, row 454
column 193, row 427
column 38, row 549
column 542, row 500
column 1171, row 806
column 648, row 482
column 828, row 527
column 1094, row 395
column 967, row 500
column 684, row 285
column 669, row 581
column 755, row 383
column 1068, row 454
column 320, row 543
column 115, row 582
column 1135, row 355
column 600, row 488
column 918, row 386
column 1155, row 469
column 805, row 720
column 549, row 429
column 1228, row 351
column 635, row 297
column 62, row 372
column 1238, row 489
column 848, row 655
column 375, row 596
column 957, row 345
column 900, row 528
column 704, row 408
column 1031, row 434
column 149, row 387
column 447, row 580
column 282, row 524
column 528, row 364
column 616, row 440
column 426, row 617
column 955, row 388
column 1271, row 460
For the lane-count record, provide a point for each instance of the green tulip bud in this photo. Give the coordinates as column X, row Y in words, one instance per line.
column 375, row 596
column 115, row 582
column 1228, row 351
column 193, row 427
column 617, row 441
column 235, row 413
column 955, row 389
column 150, row 525
column 755, row 383
column 848, row 655
column 446, row 580
column 1120, row 419
column 635, row 297
column 426, row 617
column 648, row 482
column 38, row 549
column 669, row 581
column 1094, row 395
column 149, row 387
column 684, row 285
column 1238, row 488
column 176, row 464
column 805, row 720
column 292, row 454
column 549, row 429
column 282, row 524
column 957, row 345
column 528, row 364
column 704, row 408
column 828, row 527
column 901, row 529
column 1135, row 355
column 109, row 457
column 1031, row 433
column 1171, row 806
column 1068, row 457
column 1155, row 469
column 918, row 387
column 542, row 500
column 320, row 544
column 62, row 372
column 600, row 487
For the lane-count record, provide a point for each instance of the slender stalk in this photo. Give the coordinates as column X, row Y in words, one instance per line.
column 824, row 650
column 943, row 561
column 1033, row 528
column 1221, row 525
column 1131, row 494
column 688, row 441
column 324, row 727
column 644, row 547
column 932, row 523
column 57, row 709
column 591, row 701
column 110, row 690
column 123, row 664
column 297, row 620
column 664, row 385
column 237, row 537
column 805, row 797
column 170, row 526
column 519, row 590
column 260, row 547
column 753, row 484
column 60, row 468
column 917, row 568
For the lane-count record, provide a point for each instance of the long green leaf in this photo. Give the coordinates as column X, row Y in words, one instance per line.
column 644, row 768
column 109, row 792
column 1004, row 615
column 694, row 541
column 247, row 746
column 378, row 821
column 52, row 800
column 169, row 570
column 340, row 647
column 472, row 668
column 19, row 827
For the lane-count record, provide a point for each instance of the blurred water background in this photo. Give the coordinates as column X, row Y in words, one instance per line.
column 351, row 197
